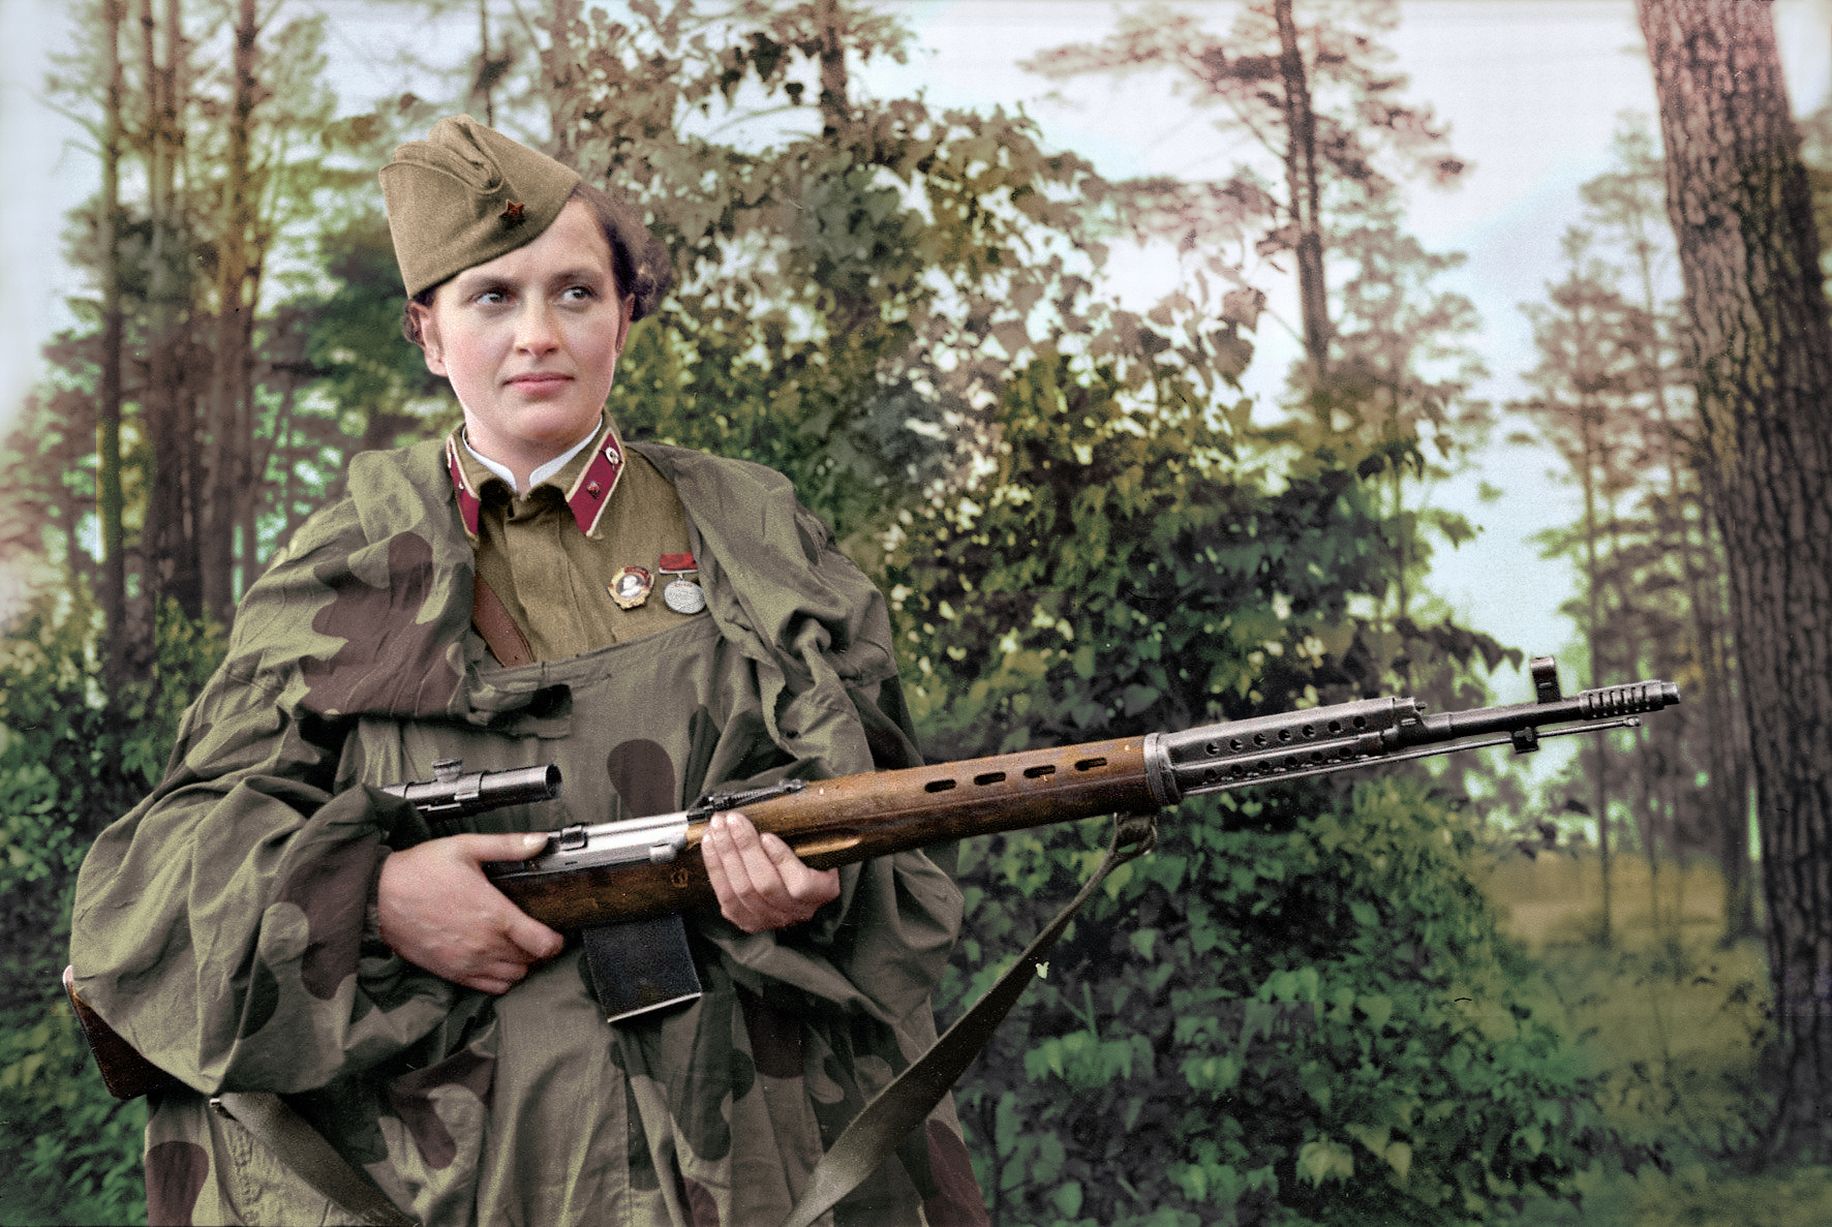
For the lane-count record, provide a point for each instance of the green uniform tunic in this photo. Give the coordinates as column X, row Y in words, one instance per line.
column 552, row 573
column 221, row 927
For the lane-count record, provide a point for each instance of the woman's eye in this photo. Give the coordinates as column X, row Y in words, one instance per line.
column 578, row 293
column 490, row 298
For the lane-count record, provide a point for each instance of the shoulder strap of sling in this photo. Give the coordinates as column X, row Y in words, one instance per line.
column 498, row 627
column 302, row 1148
column 899, row 1107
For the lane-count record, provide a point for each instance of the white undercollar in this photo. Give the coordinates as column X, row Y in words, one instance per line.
column 540, row 474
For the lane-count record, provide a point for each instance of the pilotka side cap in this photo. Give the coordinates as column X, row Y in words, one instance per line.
column 465, row 195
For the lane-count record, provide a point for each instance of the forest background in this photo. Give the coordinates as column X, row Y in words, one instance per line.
column 1139, row 423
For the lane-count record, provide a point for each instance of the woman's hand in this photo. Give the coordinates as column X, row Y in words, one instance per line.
column 760, row 883
column 438, row 910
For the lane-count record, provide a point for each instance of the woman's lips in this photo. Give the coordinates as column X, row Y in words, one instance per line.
column 539, row 382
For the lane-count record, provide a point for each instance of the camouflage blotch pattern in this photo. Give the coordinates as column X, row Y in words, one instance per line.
column 175, row 1175
column 220, row 926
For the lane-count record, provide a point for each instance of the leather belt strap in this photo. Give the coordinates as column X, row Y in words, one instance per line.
column 303, row 1149
column 498, row 627
column 913, row 1094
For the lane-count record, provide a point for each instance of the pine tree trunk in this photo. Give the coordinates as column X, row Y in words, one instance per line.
column 836, row 107
column 1726, row 799
column 1740, row 792
column 1304, row 190
column 485, row 65
column 108, row 495
column 1593, row 636
column 171, row 530
column 254, row 456
column 227, row 457
column 1648, row 826
column 560, row 72
column 1762, row 343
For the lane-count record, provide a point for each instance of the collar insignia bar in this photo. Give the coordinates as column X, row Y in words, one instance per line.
column 469, row 505
column 591, row 492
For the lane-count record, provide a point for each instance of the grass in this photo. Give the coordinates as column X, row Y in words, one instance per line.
column 1672, row 1019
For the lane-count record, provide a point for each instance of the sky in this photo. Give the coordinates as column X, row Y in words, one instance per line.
column 1532, row 91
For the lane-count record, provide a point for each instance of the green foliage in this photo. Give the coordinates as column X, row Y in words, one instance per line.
column 1295, row 1007
column 1311, row 1025
column 71, row 1142
column 71, row 759
column 1125, row 563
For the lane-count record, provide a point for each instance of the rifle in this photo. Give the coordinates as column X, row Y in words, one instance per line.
column 626, row 870
column 611, row 872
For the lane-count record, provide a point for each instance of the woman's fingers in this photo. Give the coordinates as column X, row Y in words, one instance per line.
column 759, row 881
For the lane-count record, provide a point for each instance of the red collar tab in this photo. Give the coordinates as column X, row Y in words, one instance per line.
column 591, row 493
column 469, row 505
column 677, row 564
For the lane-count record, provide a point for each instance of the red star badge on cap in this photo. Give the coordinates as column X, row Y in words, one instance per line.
column 512, row 212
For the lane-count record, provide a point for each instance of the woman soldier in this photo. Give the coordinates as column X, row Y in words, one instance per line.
column 313, row 965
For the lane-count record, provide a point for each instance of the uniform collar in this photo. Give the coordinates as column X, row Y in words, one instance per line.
column 586, row 480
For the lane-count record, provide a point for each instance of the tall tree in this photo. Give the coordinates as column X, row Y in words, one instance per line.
column 109, row 501
column 1404, row 372
column 1303, row 189
column 167, row 403
column 1316, row 92
column 1761, row 341
column 1580, row 386
column 1626, row 206
column 229, row 489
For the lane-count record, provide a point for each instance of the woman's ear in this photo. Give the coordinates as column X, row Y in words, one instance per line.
column 629, row 318
column 430, row 347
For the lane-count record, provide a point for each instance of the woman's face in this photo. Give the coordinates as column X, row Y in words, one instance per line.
column 530, row 341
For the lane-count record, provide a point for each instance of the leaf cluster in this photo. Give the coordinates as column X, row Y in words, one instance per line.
column 1306, row 1025
column 72, row 757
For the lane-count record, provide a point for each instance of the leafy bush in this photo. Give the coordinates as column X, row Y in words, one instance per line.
column 74, row 1147
column 1308, row 1025
column 1295, row 1010
column 72, row 757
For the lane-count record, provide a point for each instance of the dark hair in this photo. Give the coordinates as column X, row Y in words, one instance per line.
column 638, row 260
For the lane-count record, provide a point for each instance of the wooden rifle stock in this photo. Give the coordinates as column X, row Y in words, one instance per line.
column 854, row 818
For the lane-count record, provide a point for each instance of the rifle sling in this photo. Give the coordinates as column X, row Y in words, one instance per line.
column 913, row 1094
column 274, row 1124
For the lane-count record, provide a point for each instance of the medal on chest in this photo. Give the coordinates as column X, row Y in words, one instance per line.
column 682, row 595
column 630, row 586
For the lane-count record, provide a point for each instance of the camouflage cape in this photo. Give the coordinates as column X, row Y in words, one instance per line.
column 224, row 926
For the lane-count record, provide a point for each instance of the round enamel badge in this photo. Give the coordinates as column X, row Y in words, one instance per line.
column 630, row 586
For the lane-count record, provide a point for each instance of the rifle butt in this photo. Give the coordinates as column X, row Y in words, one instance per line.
column 125, row 1073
